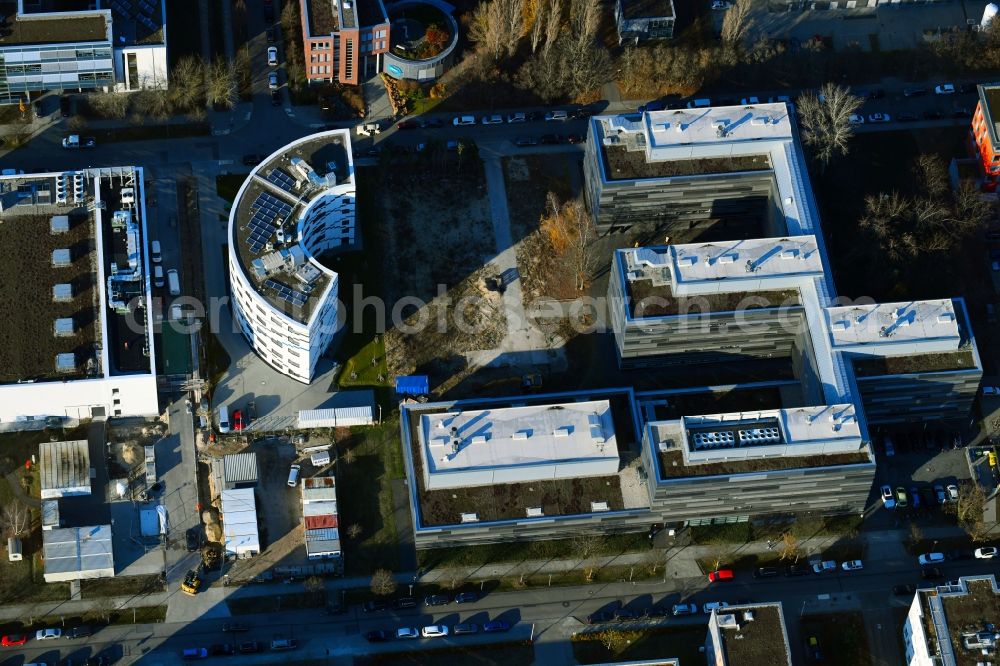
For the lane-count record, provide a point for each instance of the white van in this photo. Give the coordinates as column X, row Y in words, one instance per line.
column 293, row 476
column 223, row 419
column 158, row 280
column 557, row 115
column 157, row 257
column 175, row 282
column 702, row 103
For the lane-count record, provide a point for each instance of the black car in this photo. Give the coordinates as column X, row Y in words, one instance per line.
column 249, row 647
column 624, row 614
column 378, row 636
column 66, row 106
column 959, row 554
column 192, row 539
column 275, row 98
column 798, row 570
column 222, row 649
column 907, row 117
column 432, row 124
column 657, row 611
column 437, row 600
column 600, row 617
column 575, row 138
column 931, row 573
column 933, row 115
column 549, row 139
column 78, row 632
column 766, row 572
column 526, row 141
column 404, row 602
column 270, row 35
column 466, row 598
column 904, row 590
column 914, row 92
column 373, row 606
column 534, row 115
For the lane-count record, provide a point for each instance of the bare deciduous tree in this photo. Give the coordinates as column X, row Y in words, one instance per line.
column 497, row 27
column 587, row 547
column 538, row 27
column 826, row 121
column 553, row 23
column 187, row 84
column 354, row 531
column 585, row 19
column 110, row 104
column 789, row 547
column 15, row 517
column 221, row 85
column 969, row 509
column 737, row 23
column 570, row 230
column 383, row 583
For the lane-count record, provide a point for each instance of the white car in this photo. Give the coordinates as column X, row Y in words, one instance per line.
column 714, row 605
column 272, row 56
column 930, row 558
column 748, row 101
column 852, row 565
column 434, row 630
column 463, row 120
column 272, row 80
column 952, row 492
column 493, row 120
column 856, row 119
column 154, row 247
column 48, row 634
column 939, row 493
column 987, row 553
column 879, row 117
column 518, row 117
column 944, row 89
column 823, row 567
column 557, row 115
column 407, row 632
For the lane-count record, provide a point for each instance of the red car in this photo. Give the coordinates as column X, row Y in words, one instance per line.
column 13, row 640
column 721, row 574
column 238, row 420
column 407, row 124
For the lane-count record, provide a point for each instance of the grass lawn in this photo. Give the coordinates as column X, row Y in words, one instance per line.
column 227, row 185
column 120, row 586
column 375, row 460
column 494, row 653
column 96, row 618
column 469, row 556
column 703, row 535
column 841, row 637
column 679, row 642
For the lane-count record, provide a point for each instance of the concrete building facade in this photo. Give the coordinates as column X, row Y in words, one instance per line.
column 953, row 624
column 343, row 41
column 285, row 214
column 644, row 20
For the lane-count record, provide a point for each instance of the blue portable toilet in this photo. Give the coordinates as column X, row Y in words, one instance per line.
column 412, row 385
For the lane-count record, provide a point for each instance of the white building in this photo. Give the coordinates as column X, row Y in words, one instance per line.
column 748, row 635
column 239, row 523
column 55, row 46
column 953, row 625
column 284, row 216
column 77, row 553
column 64, row 469
column 517, row 444
column 104, row 367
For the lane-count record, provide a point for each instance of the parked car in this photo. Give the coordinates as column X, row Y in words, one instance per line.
column 939, row 493
column 466, row 598
column 952, row 493
column 373, row 606
column 13, row 640
column 944, row 89
column 959, row 554
column 825, row 566
column 916, row 91
column 270, row 36
column 904, row 590
column 749, row 101
column 222, row 649
column 852, row 565
column 879, row 117
column 378, row 636
column 460, row 121
column 931, row 573
column 907, row 117
column 655, row 105
column 437, row 600
column 238, row 420
column 714, row 605
column 48, row 634
column 797, row 570
column 194, row 654
column 525, row 141
column 930, row 558
column 721, row 575
column 284, row 644
column 901, row 500
column 234, row 627
column 252, row 160
column 557, row 115
column 272, row 56
column 272, row 80
column 518, row 117
column 986, row 553
column 78, row 632
column 465, row 628
column 496, row 626
column 407, row 125
column 856, row 119
column 433, row 123
column 600, row 617
column 684, row 609
column 249, row 647
column 625, row 614
column 932, row 114
column 766, row 572
column 434, row 631
column 915, row 497
column 404, row 602
column 887, row 495
column 890, row 451
column 405, row 633
column 549, row 139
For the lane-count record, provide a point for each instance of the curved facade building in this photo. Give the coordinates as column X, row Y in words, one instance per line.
column 296, row 204
column 427, row 69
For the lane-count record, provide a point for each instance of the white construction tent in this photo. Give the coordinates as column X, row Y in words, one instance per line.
column 76, row 553
column 239, row 523
column 338, row 417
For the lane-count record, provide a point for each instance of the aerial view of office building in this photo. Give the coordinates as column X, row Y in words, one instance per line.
column 642, row 20
column 78, row 341
column 953, row 624
column 296, row 204
column 75, row 46
column 343, row 41
column 746, row 635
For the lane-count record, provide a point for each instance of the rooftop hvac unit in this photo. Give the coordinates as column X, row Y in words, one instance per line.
column 59, row 224
column 77, row 187
column 599, row 506
column 521, row 435
column 61, row 258
column 562, row 432
column 535, row 512
column 748, row 616
column 479, row 439
column 470, row 517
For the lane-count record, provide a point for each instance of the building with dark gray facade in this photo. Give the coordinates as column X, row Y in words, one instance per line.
column 644, row 20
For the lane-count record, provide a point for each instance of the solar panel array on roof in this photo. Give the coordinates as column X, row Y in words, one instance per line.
column 286, row 293
column 281, row 179
column 267, row 211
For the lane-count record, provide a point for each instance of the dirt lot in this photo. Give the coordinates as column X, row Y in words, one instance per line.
column 436, row 235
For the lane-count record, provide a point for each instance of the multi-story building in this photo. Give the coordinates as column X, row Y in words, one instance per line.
column 748, row 635
column 73, row 46
column 644, row 20
column 78, row 339
column 953, row 624
column 984, row 140
column 343, row 41
column 284, row 216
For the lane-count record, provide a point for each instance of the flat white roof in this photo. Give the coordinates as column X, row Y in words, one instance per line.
column 885, row 324
column 78, row 552
column 799, row 425
column 239, row 521
column 717, row 124
column 527, row 443
column 65, row 469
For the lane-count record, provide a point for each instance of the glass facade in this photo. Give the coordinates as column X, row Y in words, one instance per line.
column 31, row 68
